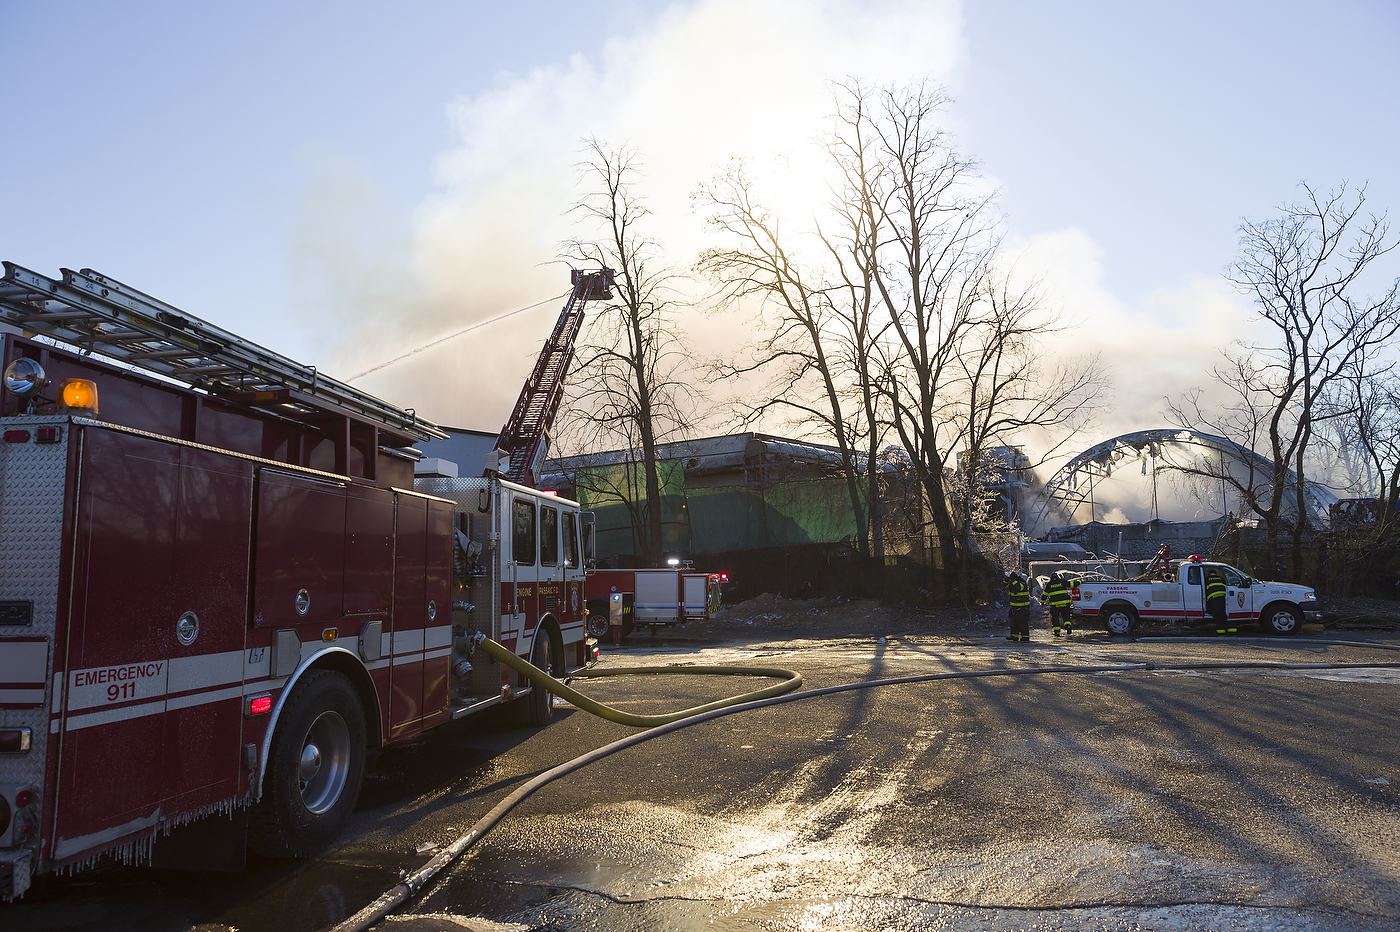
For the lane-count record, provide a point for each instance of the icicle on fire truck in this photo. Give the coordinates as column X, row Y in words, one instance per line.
column 220, row 591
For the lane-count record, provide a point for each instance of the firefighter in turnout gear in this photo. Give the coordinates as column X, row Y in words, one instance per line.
column 1057, row 597
column 1215, row 601
column 1019, row 614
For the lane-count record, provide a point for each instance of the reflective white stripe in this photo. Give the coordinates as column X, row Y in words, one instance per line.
column 214, row 695
column 63, row 847
column 24, row 661
column 408, row 658
column 106, row 716
column 407, row 642
column 205, row 670
column 432, row 654
column 441, row 636
column 22, row 696
column 57, row 694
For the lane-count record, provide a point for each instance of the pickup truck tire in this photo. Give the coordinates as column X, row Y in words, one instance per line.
column 1283, row 620
column 1118, row 618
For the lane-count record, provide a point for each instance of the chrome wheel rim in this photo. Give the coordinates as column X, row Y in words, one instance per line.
column 324, row 765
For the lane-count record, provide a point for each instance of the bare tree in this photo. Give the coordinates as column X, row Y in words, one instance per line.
column 902, row 317
column 1006, row 387
column 797, row 301
column 852, row 245
column 628, row 389
column 1240, row 417
column 1304, row 269
column 1367, row 539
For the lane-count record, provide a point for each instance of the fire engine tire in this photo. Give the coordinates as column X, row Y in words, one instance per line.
column 1283, row 620
column 1118, row 618
column 597, row 623
column 315, row 767
column 546, row 655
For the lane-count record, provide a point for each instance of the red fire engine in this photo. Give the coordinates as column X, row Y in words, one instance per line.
column 620, row 600
column 220, row 590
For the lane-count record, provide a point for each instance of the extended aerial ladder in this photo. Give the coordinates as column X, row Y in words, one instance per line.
column 523, row 443
column 98, row 314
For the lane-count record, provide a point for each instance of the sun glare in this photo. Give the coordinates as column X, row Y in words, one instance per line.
column 800, row 187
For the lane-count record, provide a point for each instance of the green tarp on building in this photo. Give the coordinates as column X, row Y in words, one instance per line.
column 714, row 519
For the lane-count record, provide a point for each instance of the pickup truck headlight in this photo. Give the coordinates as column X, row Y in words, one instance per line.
column 1309, row 596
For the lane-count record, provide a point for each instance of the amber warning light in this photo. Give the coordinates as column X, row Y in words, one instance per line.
column 78, row 395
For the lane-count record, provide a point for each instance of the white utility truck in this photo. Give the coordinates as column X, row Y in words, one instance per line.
column 1281, row 608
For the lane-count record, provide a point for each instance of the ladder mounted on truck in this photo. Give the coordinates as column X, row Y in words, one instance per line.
column 99, row 314
column 523, row 443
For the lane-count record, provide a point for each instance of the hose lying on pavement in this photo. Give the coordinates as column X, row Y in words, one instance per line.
column 414, row 882
column 789, row 682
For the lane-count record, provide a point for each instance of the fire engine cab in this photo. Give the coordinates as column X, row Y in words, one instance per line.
column 220, row 589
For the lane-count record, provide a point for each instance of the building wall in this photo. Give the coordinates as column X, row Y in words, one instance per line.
column 466, row 448
column 718, row 495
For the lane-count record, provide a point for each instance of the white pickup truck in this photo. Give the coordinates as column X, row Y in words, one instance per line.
column 1281, row 608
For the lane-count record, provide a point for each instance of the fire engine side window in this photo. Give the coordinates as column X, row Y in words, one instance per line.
column 522, row 540
column 1193, row 576
column 570, row 539
column 549, row 535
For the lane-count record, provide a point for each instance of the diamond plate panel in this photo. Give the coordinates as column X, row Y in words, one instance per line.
column 32, row 479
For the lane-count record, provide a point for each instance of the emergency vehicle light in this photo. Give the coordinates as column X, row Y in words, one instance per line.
column 259, row 705
column 24, row 377
column 78, row 395
column 23, row 798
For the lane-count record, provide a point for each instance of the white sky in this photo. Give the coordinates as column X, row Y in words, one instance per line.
column 346, row 181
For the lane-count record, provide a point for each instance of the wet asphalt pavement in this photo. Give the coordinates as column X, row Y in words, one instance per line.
column 1150, row 799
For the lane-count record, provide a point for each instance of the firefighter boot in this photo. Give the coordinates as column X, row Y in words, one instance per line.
column 1057, row 631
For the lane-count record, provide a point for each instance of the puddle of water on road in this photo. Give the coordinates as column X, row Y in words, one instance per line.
column 268, row 894
column 1384, row 677
column 517, row 907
